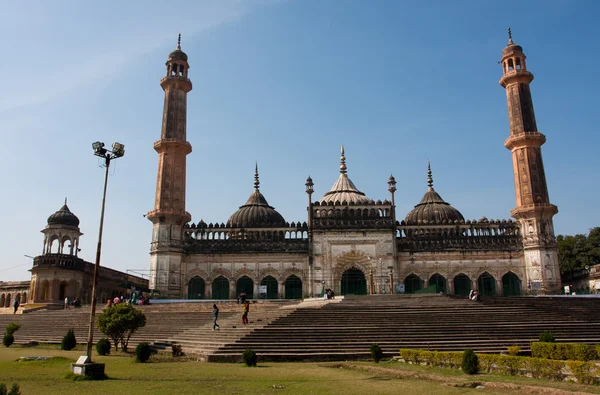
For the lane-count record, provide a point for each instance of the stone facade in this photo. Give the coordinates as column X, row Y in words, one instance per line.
column 349, row 242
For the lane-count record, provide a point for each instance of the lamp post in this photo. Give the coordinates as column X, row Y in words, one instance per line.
column 118, row 150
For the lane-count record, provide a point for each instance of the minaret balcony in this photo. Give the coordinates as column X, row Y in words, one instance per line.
column 516, row 76
column 527, row 139
column 540, row 210
column 163, row 144
column 176, row 82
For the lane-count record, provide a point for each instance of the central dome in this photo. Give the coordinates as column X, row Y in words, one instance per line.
column 432, row 209
column 64, row 216
column 343, row 190
column 256, row 213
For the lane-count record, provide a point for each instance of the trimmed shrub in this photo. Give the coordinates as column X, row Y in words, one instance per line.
column 514, row 350
column 14, row 389
column 143, row 351
column 68, row 342
column 12, row 328
column 376, row 353
column 119, row 322
column 470, row 363
column 176, row 350
column 547, row 337
column 8, row 339
column 103, row 347
column 510, row 365
column 584, row 372
column 249, row 357
column 564, row 351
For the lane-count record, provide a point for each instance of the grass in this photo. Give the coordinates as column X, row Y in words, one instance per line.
column 183, row 376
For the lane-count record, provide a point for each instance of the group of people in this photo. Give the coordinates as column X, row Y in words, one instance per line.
column 245, row 310
column 72, row 303
column 135, row 299
column 474, row 295
column 328, row 294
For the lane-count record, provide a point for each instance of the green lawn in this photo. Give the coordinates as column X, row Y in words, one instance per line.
column 127, row 377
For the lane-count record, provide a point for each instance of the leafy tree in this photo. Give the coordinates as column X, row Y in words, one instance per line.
column 577, row 252
column 119, row 322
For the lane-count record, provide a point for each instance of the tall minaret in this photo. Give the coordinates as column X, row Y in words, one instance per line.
column 534, row 211
column 169, row 215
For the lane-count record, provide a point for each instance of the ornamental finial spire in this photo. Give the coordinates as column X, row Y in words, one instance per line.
column 510, row 40
column 65, row 200
column 179, row 42
column 429, row 178
column 343, row 167
column 256, row 181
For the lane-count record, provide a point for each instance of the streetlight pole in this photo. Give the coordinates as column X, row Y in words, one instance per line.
column 108, row 155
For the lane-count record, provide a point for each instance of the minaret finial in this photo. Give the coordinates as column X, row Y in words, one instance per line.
column 65, row 200
column 510, row 41
column 256, row 181
column 179, row 42
column 343, row 167
column 429, row 178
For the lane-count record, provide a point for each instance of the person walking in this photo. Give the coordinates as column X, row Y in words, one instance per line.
column 66, row 302
column 215, row 317
column 16, row 305
column 245, row 313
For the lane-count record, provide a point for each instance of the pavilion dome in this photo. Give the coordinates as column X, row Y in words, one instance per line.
column 64, row 216
column 432, row 209
column 344, row 190
column 256, row 213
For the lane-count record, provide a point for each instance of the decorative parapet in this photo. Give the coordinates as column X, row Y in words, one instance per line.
column 498, row 235
column 63, row 261
column 343, row 215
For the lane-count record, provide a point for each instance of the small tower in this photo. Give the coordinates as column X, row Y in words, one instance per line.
column 534, row 211
column 63, row 227
column 169, row 215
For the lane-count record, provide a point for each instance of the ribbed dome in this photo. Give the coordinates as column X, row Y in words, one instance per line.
column 432, row 208
column 178, row 54
column 511, row 47
column 64, row 216
column 343, row 190
column 256, row 213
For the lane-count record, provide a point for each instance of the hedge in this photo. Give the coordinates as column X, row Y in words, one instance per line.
column 564, row 351
column 584, row 372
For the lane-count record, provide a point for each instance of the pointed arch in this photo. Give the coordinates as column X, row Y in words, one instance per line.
column 486, row 284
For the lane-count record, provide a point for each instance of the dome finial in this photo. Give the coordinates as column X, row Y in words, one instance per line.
column 429, row 178
column 343, row 167
column 256, row 181
column 179, row 42
column 65, row 200
column 510, row 40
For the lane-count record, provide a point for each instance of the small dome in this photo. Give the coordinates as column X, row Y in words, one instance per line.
column 256, row 213
column 64, row 216
column 343, row 190
column 178, row 54
column 432, row 208
column 511, row 47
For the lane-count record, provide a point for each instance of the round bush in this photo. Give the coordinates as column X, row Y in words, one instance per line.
column 68, row 342
column 470, row 362
column 8, row 339
column 376, row 353
column 249, row 357
column 547, row 337
column 103, row 347
column 143, row 352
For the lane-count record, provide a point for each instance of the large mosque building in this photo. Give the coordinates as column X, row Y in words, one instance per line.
column 350, row 242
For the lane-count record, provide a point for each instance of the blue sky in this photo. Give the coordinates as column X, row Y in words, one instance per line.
column 285, row 83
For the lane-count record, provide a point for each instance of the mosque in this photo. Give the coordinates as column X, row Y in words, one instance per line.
column 350, row 242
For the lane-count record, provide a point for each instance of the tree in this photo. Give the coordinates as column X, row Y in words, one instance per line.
column 119, row 322
column 577, row 252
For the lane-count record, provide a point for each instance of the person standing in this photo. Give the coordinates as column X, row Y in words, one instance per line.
column 215, row 317
column 245, row 313
column 16, row 305
column 66, row 302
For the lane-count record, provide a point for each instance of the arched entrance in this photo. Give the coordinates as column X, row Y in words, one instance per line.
column 245, row 284
column 354, row 282
column 486, row 284
column 272, row 285
column 293, row 287
column 45, row 290
column 511, row 285
column 62, row 290
column 220, row 288
column 412, row 283
column 196, row 288
column 439, row 282
column 7, row 303
column 462, row 285
column 2, row 300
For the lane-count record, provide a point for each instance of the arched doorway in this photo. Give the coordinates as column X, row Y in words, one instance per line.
column 220, row 288
column 462, row 285
column 486, row 285
column 45, row 290
column 7, row 303
column 196, row 288
column 245, row 284
column 293, row 287
column 439, row 282
column 62, row 290
column 511, row 285
column 412, row 284
column 2, row 300
column 272, row 285
column 353, row 282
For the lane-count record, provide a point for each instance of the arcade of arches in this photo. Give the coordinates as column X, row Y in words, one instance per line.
column 222, row 288
column 487, row 285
